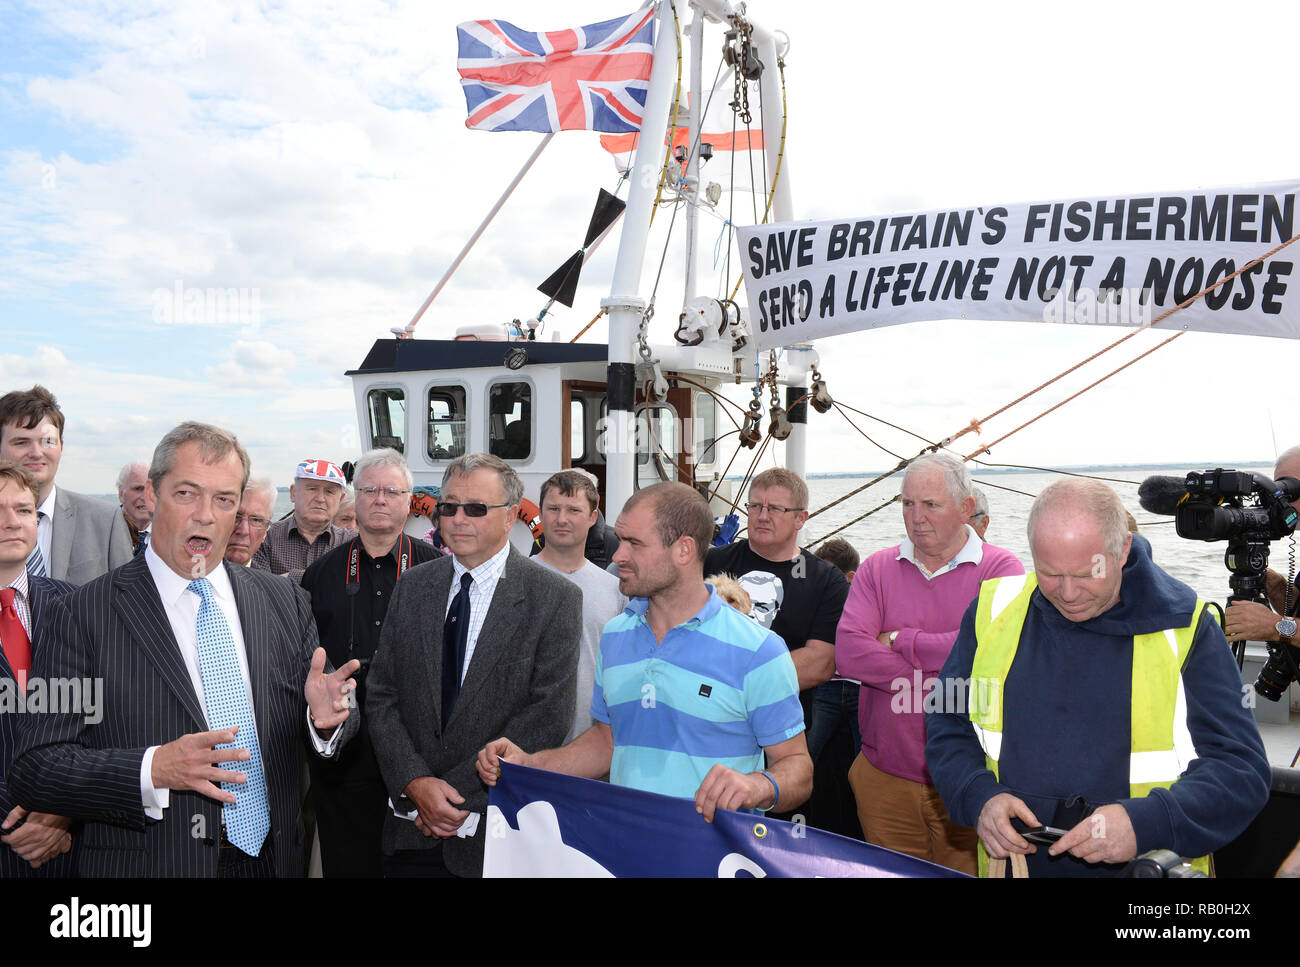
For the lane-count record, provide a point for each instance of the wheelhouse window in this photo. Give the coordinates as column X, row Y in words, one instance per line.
column 577, row 431
column 656, row 444
column 446, row 428
column 387, row 418
column 510, row 420
column 706, row 430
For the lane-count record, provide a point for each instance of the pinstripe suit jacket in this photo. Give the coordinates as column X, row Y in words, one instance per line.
column 115, row 629
column 90, row 538
column 41, row 593
column 520, row 683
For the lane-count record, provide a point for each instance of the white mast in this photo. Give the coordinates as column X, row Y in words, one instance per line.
column 625, row 307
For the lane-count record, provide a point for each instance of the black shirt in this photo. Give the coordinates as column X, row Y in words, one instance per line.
column 349, row 624
column 798, row 599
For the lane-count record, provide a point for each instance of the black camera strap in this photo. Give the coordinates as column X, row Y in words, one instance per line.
column 352, row 581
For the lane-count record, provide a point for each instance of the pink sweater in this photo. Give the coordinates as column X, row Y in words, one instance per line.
column 890, row 594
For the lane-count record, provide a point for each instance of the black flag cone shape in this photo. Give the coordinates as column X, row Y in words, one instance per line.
column 562, row 285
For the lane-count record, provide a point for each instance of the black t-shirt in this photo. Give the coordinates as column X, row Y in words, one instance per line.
column 798, row 599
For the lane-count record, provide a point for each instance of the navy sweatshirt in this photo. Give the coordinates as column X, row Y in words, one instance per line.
column 1066, row 725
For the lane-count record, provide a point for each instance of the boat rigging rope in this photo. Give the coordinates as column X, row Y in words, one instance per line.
column 975, row 425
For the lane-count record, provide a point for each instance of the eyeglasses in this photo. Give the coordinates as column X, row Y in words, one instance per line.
column 772, row 509
column 254, row 523
column 392, row 493
column 447, row 508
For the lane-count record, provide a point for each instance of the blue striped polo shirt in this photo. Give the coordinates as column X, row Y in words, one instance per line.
column 718, row 688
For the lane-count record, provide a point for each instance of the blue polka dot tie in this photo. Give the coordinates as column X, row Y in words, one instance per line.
column 248, row 819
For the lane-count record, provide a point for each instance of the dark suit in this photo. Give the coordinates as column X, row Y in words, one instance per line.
column 41, row 593
column 520, row 684
column 115, row 628
column 89, row 538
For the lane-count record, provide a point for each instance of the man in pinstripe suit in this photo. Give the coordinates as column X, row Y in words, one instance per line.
column 185, row 647
column 33, row 841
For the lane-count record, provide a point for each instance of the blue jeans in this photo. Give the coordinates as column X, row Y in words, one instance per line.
column 832, row 701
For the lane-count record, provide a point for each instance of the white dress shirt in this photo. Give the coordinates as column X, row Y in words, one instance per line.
column 485, row 578
column 181, row 606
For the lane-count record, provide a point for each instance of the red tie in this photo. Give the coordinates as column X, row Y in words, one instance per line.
column 18, row 649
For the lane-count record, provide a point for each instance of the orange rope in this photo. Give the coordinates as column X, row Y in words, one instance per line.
column 975, row 425
column 587, row 326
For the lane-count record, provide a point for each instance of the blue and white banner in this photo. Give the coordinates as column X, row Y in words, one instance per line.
column 546, row 824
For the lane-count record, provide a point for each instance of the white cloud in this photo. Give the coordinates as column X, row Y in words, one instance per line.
column 318, row 155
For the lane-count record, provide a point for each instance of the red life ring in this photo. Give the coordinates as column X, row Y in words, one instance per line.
column 528, row 513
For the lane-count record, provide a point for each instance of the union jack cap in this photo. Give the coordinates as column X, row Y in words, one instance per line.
column 319, row 470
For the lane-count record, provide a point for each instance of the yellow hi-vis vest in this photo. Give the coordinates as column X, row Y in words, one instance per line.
column 1160, row 746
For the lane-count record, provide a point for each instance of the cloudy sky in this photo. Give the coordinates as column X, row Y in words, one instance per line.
column 313, row 158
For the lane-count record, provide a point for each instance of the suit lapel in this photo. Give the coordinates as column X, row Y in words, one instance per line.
column 140, row 608
column 65, row 525
column 501, row 626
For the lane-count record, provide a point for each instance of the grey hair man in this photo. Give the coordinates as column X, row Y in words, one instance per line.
column 475, row 645
column 1097, row 643
column 163, row 785
column 899, row 624
column 136, row 498
column 979, row 518
column 351, row 588
column 253, row 520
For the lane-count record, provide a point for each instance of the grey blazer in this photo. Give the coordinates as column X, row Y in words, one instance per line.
column 90, row 538
column 520, row 684
column 115, row 629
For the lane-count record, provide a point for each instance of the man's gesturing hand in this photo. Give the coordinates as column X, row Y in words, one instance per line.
column 995, row 830
column 489, row 770
column 436, row 800
column 327, row 695
column 190, row 763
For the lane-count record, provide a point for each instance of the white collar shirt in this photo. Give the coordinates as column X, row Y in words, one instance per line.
column 485, row 578
column 972, row 552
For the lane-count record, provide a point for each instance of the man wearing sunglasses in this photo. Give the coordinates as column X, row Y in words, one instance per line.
column 477, row 645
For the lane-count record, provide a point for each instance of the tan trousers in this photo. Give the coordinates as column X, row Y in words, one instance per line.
column 909, row 817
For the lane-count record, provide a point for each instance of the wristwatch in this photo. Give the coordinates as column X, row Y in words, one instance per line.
column 1286, row 628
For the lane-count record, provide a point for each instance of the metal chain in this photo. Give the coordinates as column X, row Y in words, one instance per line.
column 740, row 97
column 642, row 334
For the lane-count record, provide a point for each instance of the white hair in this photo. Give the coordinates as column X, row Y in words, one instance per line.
column 956, row 477
column 124, row 474
column 383, row 457
column 261, row 483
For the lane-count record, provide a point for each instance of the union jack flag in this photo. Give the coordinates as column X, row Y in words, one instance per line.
column 590, row 78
